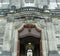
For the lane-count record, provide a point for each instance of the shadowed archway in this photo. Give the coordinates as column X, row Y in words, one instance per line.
column 29, row 33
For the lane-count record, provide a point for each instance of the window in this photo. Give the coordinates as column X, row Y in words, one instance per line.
column 4, row 4
column 29, row 1
column 58, row 47
column 58, row 1
column 57, row 36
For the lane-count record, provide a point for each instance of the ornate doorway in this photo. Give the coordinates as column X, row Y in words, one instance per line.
column 29, row 36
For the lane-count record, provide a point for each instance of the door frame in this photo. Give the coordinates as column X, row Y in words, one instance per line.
column 29, row 27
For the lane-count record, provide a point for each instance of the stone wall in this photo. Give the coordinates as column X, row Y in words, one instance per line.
column 9, row 37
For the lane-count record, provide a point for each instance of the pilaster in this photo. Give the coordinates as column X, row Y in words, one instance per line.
column 15, row 36
column 7, row 37
column 52, row 41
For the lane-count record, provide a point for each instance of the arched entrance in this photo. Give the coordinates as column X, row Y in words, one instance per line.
column 29, row 34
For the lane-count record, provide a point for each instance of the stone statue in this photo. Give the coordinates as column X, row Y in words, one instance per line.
column 29, row 46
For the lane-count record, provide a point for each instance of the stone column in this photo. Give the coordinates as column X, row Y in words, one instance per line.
column 36, row 3
column 23, row 2
column 15, row 35
column 7, row 37
column 44, row 42
column 44, row 39
column 51, row 37
column 52, row 42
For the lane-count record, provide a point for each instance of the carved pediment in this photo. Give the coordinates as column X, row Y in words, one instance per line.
column 29, row 30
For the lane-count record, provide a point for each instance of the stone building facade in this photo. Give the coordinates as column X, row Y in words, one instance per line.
column 47, row 21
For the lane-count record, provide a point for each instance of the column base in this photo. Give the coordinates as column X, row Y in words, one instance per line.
column 5, row 53
column 53, row 53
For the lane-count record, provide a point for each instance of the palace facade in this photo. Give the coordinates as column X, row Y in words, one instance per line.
column 29, row 22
